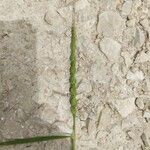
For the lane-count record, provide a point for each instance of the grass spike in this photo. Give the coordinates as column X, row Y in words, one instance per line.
column 73, row 86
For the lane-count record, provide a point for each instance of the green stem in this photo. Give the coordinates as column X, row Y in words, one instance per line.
column 74, row 135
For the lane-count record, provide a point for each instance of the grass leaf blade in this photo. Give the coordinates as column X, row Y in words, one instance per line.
column 33, row 139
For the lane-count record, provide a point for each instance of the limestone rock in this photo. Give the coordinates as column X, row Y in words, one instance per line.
column 50, row 16
column 124, row 106
column 109, row 136
column 111, row 48
column 109, row 4
column 131, row 22
column 99, row 73
column 81, row 4
column 120, row 148
column 50, row 19
column 84, row 87
column 139, row 103
column 147, row 134
column 146, row 114
column 137, row 4
column 126, row 8
column 69, row 1
column 129, row 35
column 139, row 38
column 66, row 14
column 130, row 122
column 134, row 35
column 127, row 57
column 143, row 57
column 110, row 24
column 135, row 76
column 145, row 24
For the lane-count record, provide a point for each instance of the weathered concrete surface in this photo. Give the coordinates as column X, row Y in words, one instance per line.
column 34, row 75
column 113, row 47
column 113, row 71
column 52, row 145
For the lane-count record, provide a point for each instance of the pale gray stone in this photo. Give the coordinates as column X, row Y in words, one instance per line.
column 127, row 57
column 109, row 4
column 85, row 86
column 146, row 136
column 139, row 38
column 146, row 114
column 110, row 48
column 81, row 4
column 126, row 8
column 143, row 57
column 138, row 75
column 124, row 106
column 131, row 22
column 50, row 19
column 110, row 24
column 98, row 69
column 139, row 103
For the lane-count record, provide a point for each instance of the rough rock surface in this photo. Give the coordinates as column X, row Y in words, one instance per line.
column 113, row 72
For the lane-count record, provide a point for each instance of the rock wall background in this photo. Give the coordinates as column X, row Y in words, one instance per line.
column 113, row 70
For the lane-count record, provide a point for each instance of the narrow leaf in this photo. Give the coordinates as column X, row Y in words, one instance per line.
column 33, row 139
